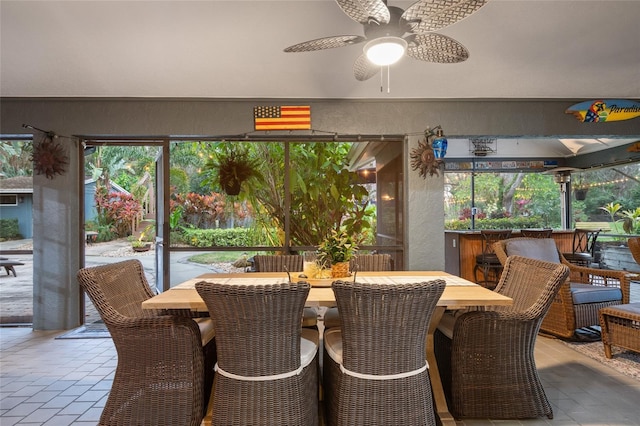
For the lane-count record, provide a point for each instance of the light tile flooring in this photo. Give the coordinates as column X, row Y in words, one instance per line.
column 44, row 381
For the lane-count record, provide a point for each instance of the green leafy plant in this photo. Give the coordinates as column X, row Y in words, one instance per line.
column 337, row 247
column 611, row 208
column 631, row 219
column 231, row 165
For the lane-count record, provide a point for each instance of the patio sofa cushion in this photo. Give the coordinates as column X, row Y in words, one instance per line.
column 541, row 249
column 587, row 293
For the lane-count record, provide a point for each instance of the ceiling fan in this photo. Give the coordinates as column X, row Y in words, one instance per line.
column 392, row 29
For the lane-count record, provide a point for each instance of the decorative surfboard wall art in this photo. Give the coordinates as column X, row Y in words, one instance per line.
column 602, row 110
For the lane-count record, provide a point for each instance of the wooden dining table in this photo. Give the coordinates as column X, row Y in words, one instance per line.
column 458, row 294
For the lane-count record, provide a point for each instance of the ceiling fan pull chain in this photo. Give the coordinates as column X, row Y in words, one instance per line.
column 388, row 79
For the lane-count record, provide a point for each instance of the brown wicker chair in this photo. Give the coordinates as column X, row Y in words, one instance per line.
column 536, row 233
column 585, row 292
column 267, row 371
column 161, row 377
column 383, row 333
column 287, row 263
column 278, row 263
column 370, row 262
column 486, row 358
column 362, row 262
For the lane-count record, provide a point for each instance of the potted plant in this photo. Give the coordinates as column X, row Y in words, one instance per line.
column 231, row 166
column 337, row 250
column 581, row 189
column 140, row 243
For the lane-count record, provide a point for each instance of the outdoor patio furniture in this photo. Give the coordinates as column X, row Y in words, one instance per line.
column 487, row 262
column 375, row 371
column 267, row 370
column 486, row 357
column 370, row 262
column 278, row 263
column 585, row 292
column 287, row 263
column 164, row 372
column 362, row 262
column 536, row 233
column 584, row 245
column 9, row 265
column 620, row 327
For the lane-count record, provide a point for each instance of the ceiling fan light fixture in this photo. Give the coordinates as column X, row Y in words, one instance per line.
column 385, row 50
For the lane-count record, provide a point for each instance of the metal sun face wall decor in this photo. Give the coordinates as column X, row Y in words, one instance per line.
column 430, row 153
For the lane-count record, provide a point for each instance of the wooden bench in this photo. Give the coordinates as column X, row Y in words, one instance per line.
column 9, row 264
column 594, row 226
column 91, row 237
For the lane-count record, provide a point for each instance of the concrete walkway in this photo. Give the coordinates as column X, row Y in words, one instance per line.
column 16, row 293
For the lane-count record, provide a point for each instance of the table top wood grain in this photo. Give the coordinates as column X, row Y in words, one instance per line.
column 459, row 293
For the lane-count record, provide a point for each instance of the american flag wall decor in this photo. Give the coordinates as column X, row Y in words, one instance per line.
column 282, row 117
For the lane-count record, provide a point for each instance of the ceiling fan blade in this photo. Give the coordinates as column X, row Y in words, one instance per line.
column 363, row 69
column 431, row 15
column 325, row 43
column 364, row 11
column 432, row 47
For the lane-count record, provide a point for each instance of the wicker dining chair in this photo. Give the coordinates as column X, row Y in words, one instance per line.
column 586, row 291
column 486, row 358
column 164, row 373
column 370, row 262
column 375, row 371
column 361, row 262
column 536, row 233
column 278, row 263
column 287, row 263
column 267, row 370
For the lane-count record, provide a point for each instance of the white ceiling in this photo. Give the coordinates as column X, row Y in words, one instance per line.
column 570, row 49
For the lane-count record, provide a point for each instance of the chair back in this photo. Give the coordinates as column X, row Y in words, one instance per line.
column 534, row 248
column 117, row 290
column 536, row 233
column 634, row 248
column 384, row 326
column 371, row 262
column 584, row 240
column 532, row 284
column 489, row 237
column 279, row 263
column 257, row 327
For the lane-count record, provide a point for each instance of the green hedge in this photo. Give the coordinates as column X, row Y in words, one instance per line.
column 9, row 229
column 502, row 223
column 217, row 237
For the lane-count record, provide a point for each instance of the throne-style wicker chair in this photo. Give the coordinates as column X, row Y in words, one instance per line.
column 267, row 370
column 165, row 362
column 485, row 358
column 375, row 371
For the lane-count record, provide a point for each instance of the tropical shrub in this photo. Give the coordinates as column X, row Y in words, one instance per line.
column 9, row 229
column 117, row 210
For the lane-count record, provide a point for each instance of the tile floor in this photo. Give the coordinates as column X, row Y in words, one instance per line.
column 44, row 381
